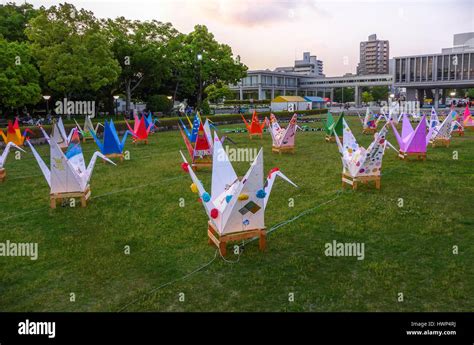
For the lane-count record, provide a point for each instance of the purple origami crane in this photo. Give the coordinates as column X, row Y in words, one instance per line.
column 412, row 141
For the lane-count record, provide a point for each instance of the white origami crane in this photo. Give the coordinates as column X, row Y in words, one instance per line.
column 282, row 137
column 443, row 130
column 235, row 205
column 358, row 161
column 68, row 172
column 434, row 120
column 4, row 155
column 59, row 135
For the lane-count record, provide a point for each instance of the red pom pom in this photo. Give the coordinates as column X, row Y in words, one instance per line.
column 214, row 213
column 272, row 171
column 199, row 200
column 185, row 166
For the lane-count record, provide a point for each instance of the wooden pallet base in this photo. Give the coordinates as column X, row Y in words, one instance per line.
column 197, row 165
column 460, row 133
column 3, row 174
column 283, row 149
column 354, row 181
column 251, row 135
column 417, row 155
column 440, row 142
column 84, row 139
column 136, row 141
column 220, row 241
column 114, row 155
column 84, row 196
column 332, row 139
column 369, row 130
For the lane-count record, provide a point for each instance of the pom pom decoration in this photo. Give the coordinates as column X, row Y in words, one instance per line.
column 194, row 188
column 206, row 197
column 227, row 198
column 185, row 167
column 243, row 196
column 261, row 194
column 214, row 213
column 272, row 171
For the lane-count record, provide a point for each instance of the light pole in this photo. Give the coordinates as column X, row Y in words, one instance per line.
column 199, row 58
column 46, row 98
column 116, row 97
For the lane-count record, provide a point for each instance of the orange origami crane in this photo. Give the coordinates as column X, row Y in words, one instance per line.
column 140, row 131
column 14, row 134
column 255, row 128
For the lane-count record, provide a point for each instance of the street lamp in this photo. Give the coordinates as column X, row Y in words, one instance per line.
column 453, row 94
column 46, row 98
column 392, row 95
column 199, row 58
column 116, row 97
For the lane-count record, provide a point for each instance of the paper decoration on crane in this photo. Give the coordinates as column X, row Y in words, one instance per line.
column 14, row 134
column 441, row 134
column 369, row 124
column 193, row 128
column 457, row 127
column 333, row 127
column 235, row 208
column 412, row 142
column 201, row 150
column 361, row 165
column 59, row 135
column 68, row 176
column 140, row 131
column 283, row 139
column 255, row 128
column 3, row 158
column 434, row 120
column 88, row 128
column 111, row 146
column 468, row 121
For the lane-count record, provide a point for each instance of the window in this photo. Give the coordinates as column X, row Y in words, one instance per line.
column 445, row 67
column 430, row 68
column 412, row 69
column 423, row 68
column 439, row 71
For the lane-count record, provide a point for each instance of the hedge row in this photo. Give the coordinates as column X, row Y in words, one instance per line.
column 246, row 102
column 171, row 123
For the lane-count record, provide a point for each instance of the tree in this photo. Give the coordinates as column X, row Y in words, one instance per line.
column 73, row 55
column 13, row 20
column 159, row 103
column 207, row 61
column 343, row 95
column 367, row 97
column 379, row 93
column 141, row 50
column 217, row 92
column 19, row 78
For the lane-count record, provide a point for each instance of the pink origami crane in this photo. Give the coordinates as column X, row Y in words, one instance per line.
column 412, row 140
column 467, row 120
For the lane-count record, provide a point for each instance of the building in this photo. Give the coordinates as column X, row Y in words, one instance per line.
column 310, row 65
column 374, row 55
column 290, row 103
column 432, row 75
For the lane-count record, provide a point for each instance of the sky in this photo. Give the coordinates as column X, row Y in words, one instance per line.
column 273, row 33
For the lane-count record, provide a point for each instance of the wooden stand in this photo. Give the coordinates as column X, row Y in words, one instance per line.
column 220, row 241
column 84, row 139
column 406, row 155
column 201, row 164
column 353, row 181
column 114, row 155
column 369, row 130
column 136, row 141
column 251, row 135
column 440, row 142
column 283, row 149
column 459, row 132
column 332, row 139
column 60, row 196
column 3, row 174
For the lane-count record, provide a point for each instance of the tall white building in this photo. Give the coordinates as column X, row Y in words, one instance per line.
column 309, row 65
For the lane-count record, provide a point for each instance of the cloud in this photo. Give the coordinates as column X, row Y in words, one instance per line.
column 259, row 12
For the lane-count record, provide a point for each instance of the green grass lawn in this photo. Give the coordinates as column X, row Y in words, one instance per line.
column 408, row 249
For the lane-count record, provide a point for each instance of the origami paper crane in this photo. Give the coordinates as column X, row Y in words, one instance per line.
column 357, row 161
column 282, row 137
column 333, row 127
column 468, row 121
column 3, row 158
column 201, row 150
column 111, row 144
column 59, row 134
column 150, row 120
column 194, row 128
column 442, row 130
column 456, row 125
column 410, row 140
column 88, row 128
column 235, row 205
column 140, row 131
column 14, row 134
column 255, row 127
column 434, row 121
column 67, row 172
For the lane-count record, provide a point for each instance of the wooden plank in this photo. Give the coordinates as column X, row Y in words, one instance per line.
column 3, row 174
